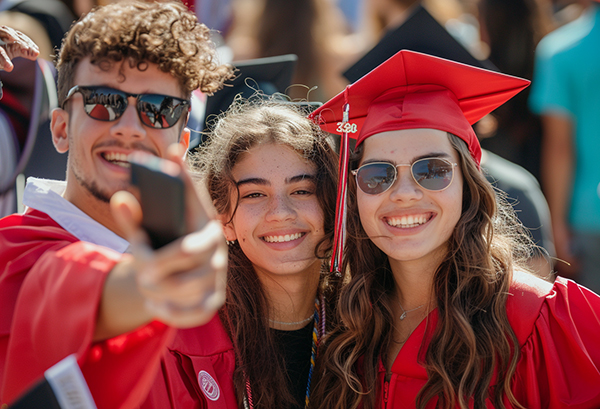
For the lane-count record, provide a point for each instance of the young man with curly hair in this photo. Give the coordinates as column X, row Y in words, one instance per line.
column 76, row 276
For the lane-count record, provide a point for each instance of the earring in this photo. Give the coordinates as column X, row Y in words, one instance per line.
column 230, row 242
column 325, row 270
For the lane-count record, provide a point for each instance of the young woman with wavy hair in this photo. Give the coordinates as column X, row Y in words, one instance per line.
column 439, row 311
column 271, row 173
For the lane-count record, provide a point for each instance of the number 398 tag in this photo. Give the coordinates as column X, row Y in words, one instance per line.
column 346, row 127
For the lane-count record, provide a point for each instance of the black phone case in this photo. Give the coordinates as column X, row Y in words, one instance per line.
column 162, row 202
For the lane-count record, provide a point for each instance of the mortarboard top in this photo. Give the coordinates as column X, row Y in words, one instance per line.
column 269, row 75
column 414, row 90
column 422, row 33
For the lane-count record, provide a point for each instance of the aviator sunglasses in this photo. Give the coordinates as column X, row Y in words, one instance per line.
column 109, row 104
column 434, row 174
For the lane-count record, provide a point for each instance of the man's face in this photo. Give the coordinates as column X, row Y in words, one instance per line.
column 97, row 166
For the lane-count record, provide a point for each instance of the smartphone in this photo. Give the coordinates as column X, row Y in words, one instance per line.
column 162, row 197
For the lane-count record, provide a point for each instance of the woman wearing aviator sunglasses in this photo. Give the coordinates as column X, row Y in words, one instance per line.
column 440, row 311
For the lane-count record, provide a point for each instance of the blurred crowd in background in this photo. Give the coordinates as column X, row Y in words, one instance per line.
column 328, row 37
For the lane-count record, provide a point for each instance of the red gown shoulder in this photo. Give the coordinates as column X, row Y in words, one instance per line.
column 558, row 327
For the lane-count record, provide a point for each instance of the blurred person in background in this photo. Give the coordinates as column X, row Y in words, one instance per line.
column 314, row 30
column 566, row 93
column 510, row 30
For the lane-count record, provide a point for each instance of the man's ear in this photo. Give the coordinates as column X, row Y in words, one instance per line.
column 184, row 140
column 58, row 126
column 228, row 229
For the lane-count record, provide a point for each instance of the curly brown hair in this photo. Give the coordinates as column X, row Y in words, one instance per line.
column 473, row 340
column 166, row 34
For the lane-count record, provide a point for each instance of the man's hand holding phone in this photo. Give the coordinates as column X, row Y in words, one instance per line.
column 181, row 283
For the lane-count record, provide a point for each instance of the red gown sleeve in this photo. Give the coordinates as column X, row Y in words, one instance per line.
column 57, row 292
column 560, row 362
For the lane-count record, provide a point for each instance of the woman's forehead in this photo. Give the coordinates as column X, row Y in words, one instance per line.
column 271, row 160
column 407, row 144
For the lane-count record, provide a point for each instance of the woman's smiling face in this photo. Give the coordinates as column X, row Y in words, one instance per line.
column 407, row 222
column 278, row 222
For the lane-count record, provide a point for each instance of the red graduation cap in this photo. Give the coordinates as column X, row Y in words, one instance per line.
column 414, row 90
column 411, row 90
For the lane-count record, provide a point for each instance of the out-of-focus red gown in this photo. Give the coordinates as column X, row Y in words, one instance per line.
column 50, row 289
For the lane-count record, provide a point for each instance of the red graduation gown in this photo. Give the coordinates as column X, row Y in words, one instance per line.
column 558, row 328
column 197, row 371
column 50, row 289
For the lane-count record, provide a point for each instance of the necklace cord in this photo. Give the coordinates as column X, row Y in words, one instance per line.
column 292, row 323
column 405, row 312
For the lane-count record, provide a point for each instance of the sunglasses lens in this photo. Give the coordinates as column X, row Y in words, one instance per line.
column 160, row 111
column 375, row 178
column 433, row 173
column 104, row 104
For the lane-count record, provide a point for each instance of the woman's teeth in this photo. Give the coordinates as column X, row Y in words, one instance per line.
column 407, row 221
column 282, row 239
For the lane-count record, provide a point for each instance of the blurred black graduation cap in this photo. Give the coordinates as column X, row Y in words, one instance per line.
column 422, row 33
column 267, row 76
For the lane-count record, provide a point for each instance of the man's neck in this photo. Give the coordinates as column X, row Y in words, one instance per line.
column 94, row 208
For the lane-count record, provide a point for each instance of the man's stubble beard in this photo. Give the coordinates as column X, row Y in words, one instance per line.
column 91, row 185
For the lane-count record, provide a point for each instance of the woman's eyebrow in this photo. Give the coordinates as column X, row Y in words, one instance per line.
column 253, row 181
column 265, row 182
column 416, row 158
column 300, row 178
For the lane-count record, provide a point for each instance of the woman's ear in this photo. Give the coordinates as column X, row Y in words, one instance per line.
column 228, row 228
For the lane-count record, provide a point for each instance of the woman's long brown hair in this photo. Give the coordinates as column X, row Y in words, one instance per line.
column 245, row 314
column 473, row 351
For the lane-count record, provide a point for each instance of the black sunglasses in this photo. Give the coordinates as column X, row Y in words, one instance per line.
column 434, row 174
column 108, row 104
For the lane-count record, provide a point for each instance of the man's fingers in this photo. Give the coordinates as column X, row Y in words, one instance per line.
column 201, row 241
column 184, row 283
column 185, row 313
column 191, row 253
column 15, row 50
column 5, row 63
column 127, row 212
column 186, row 286
column 18, row 44
column 28, row 46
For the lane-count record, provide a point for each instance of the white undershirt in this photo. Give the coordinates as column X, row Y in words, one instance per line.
column 45, row 195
